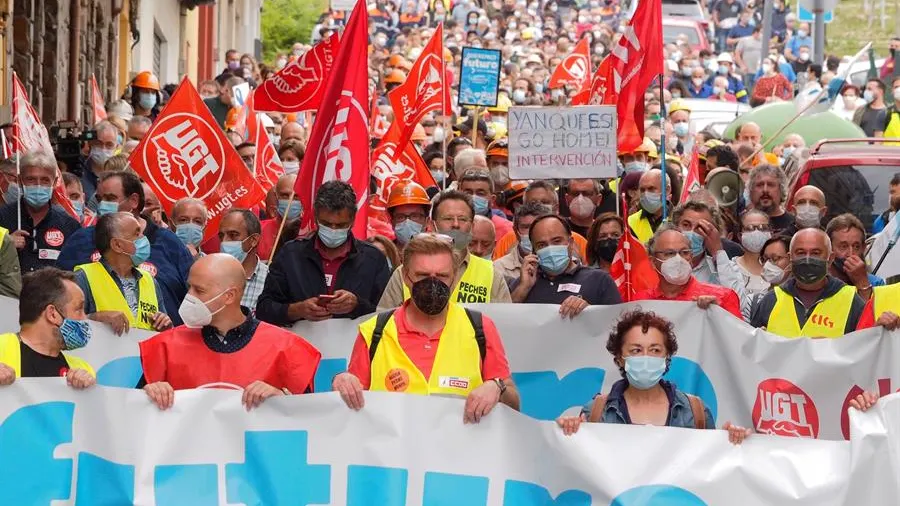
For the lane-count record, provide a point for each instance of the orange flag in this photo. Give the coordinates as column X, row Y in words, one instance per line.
column 392, row 165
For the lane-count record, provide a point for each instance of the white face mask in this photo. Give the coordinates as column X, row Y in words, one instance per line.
column 753, row 241
column 195, row 313
column 676, row 270
column 582, row 207
column 291, row 167
column 808, row 216
column 438, row 134
column 772, row 273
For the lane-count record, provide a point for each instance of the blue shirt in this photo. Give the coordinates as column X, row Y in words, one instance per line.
column 169, row 263
column 786, row 70
column 680, row 413
column 735, row 87
column 90, row 305
column 738, row 31
column 705, row 91
column 45, row 240
column 795, row 43
column 89, row 183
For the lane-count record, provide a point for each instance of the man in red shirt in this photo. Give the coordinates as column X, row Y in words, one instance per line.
column 398, row 350
column 221, row 345
column 670, row 253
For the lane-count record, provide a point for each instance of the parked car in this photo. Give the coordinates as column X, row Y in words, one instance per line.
column 697, row 38
column 854, row 175
column 859, row 72
column 714, row 114
column 688, row 9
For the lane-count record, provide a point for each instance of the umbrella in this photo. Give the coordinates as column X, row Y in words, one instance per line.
column 813, row 128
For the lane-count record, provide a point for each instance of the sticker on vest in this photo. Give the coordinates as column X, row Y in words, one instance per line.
column 569, row 287
column 453, row 382
column 328, row 279
column 149, row 267
column 54, row 237
column 471, row 293
column 48, row 254
column 397, row 380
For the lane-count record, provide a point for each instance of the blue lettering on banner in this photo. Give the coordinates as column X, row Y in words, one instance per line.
column 102, row 482
column 124, row 372
column 545, row 396
column 690, row 378
column 455, row 490
column 186, row 485
column 522, row 493
column 328, row 369
column 657, row 495
column 376, row 486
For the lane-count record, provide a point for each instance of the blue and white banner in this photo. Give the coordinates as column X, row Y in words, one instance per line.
column 788, row 387
column 111, row 446
column 479, row 77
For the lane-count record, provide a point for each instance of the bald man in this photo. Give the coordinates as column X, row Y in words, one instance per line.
column 291, row 130
column 484, row 237
column 222, row 345
column 809, row 207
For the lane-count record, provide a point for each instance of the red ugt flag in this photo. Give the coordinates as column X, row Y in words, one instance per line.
column 300, row 85
column 390, row 167
column 29, row 134
column 574, row 68
column 601, row 93
column 631, row 268
column 634, row 62
column 97, row 101
column 423, row 90
column 692, row 181
column 338, row 146
column 267, row 165
column 186, row 154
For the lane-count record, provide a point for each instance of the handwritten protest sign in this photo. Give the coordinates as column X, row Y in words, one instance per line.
column 479, row 77
column 562, row 142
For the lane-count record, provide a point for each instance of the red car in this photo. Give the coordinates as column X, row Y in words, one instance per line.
column 854, row 175
column 696, row 33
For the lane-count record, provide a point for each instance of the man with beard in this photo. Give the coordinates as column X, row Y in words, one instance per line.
column 768, row 186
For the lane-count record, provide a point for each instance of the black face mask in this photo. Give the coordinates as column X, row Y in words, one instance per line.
column 430, row 295
column 809, row 270
column 606, row 249
column 839, row 264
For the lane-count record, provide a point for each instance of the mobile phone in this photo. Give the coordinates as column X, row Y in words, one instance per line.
column 325, row 299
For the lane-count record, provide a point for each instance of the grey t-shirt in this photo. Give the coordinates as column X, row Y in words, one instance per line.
column 751, row 52
column 872, row 121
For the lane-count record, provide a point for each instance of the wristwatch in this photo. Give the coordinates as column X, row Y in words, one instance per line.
column 500, row 384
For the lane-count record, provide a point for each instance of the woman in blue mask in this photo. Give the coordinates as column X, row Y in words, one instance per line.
column 145, row 95
column 642, row 344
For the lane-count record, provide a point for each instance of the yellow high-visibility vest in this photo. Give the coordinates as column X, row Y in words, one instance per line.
column 457, row 362
column 640, row 226
column 828, row 319
column 11, row 355
column 893, row 129
column 108, row 297
column 475, row 284
column 886, row 298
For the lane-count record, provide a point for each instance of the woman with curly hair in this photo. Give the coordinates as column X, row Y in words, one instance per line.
column 642, row 344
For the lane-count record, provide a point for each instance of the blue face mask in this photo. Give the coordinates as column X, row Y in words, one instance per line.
column 147, row 101
column 38, row 196
column 681, row 129
column 644, row 372
column 722, row 70
column 12, row 193
column 525, row 244
column 696, row 242
column 293, row 213
column 333, row 237
column 651, row 202
column 438, row 176
column 189, row 233
column 406, row 230
column 635, row 167
column 75, row 333
column 79, row 207
column 554, row 259
column 141, row 251
column 481, row 205
column 235, row 249
column 787, row 152
column 106, row 207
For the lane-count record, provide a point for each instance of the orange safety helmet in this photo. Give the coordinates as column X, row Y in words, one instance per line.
column 395, row 77
column 231, row 118
column 418, row 133
column 408, row 192
column 499, row 147
column 146, row 80
column 396, row 60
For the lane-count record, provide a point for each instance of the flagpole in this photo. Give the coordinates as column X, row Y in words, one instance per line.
column 662, row 148
column 475, row 126
column 444, row 123
column 281, row 228
column 18, row 157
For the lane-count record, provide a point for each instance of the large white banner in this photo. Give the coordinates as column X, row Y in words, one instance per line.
column 110, row 446
column 790, row 387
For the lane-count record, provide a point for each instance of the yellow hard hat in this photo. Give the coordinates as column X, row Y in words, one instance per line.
column 503, row 103
column 678, row 105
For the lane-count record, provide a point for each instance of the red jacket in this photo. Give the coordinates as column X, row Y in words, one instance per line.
column 725, row 297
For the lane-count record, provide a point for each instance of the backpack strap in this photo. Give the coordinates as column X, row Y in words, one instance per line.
column 597, row 408
column 380, row 322
column 698, row 410
column 476, row 319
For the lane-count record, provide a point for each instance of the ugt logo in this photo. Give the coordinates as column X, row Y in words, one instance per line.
column 189, row 155
column 782, row 408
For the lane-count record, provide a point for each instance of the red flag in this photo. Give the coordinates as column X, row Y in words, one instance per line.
column 267, row 166
column 601, row 92
column 390, row 167
column 97, row 101
column 635, row 61
column 574, row 68
column 186, row 154
column 338, row 146
column 631, row 268
column 423, row 90
column 300, row 85
column 692, row 181
column 29, row 134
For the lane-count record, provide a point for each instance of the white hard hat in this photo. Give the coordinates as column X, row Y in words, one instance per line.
column 121, row 109
column 725, row 57
column 266, row 121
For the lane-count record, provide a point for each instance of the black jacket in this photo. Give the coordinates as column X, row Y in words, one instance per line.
column 762, row 311
column 296, row 274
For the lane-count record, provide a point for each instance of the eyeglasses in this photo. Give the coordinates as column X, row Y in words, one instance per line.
column 399, row 218
column 450, row 220
column 601, row 237
column 666, row 254
column 754, row 228
column 775, row 259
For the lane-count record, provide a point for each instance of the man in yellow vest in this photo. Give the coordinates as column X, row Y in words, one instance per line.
column 891, row 129
column 116, row 291
column 51, row 317
column 431, row 344
column 812, row 303
column 452, row 214
column 883, row 308
column 648, row 218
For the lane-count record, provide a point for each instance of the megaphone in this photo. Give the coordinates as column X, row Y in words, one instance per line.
column 725, row 185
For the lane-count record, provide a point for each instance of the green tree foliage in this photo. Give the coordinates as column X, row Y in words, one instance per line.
column 285, row 22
